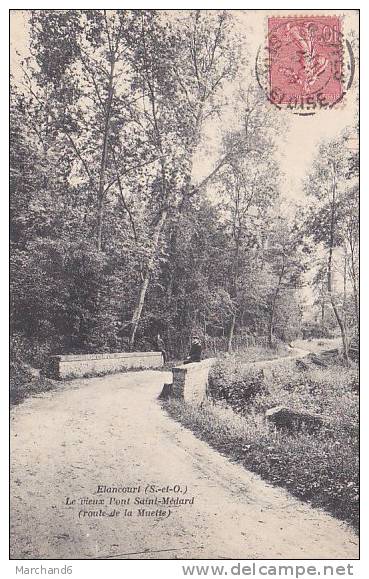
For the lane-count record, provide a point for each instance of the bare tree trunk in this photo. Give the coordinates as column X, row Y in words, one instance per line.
column 231, row 332
column 329, row 271
column 271, row 318
column 145, row 283
column 345, row 290
column 335, row 309
column 104, row 155
column 354, row 281
column 274, row 302
column 356, row 300
column 322, row 304
column 270, row 329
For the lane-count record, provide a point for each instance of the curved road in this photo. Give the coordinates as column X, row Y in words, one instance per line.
column 112, row 431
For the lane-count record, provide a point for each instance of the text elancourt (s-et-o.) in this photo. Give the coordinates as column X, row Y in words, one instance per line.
column 149, row 500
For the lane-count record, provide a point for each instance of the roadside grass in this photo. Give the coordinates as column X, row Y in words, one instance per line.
column 321, row 467
column 330, row 391
column 22, row 388
column 318, row 344
column 255, row 353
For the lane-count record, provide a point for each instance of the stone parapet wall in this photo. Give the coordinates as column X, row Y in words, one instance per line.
column 190, row 381
column 80, row 365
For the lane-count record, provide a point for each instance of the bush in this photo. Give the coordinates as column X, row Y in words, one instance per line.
column 24, row 380
column 316, row 330
column 233, row 382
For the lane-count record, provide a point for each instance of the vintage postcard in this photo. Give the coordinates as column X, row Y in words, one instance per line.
column 184, row 254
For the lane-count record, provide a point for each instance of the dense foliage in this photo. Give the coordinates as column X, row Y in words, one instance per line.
column 114, row 235
column 113, row 240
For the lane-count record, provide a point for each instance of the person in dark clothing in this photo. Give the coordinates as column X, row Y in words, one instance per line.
column 195, row 351
column 160, row 347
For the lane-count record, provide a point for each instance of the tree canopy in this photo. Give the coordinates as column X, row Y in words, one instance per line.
column 112, row 238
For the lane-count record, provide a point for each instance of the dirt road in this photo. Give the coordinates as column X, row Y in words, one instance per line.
column 111, row 431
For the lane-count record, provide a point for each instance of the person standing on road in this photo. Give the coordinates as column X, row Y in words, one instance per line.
column 160, row 346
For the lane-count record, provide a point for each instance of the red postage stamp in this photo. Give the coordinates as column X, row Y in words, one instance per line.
column 305, row 60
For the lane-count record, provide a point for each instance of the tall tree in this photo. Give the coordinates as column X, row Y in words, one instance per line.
column 286, row 256
column 329, row 183
column 180, row 71
column 248, row 185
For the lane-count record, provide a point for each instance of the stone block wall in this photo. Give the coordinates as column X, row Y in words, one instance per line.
column 79, row 365
column 190, row 381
